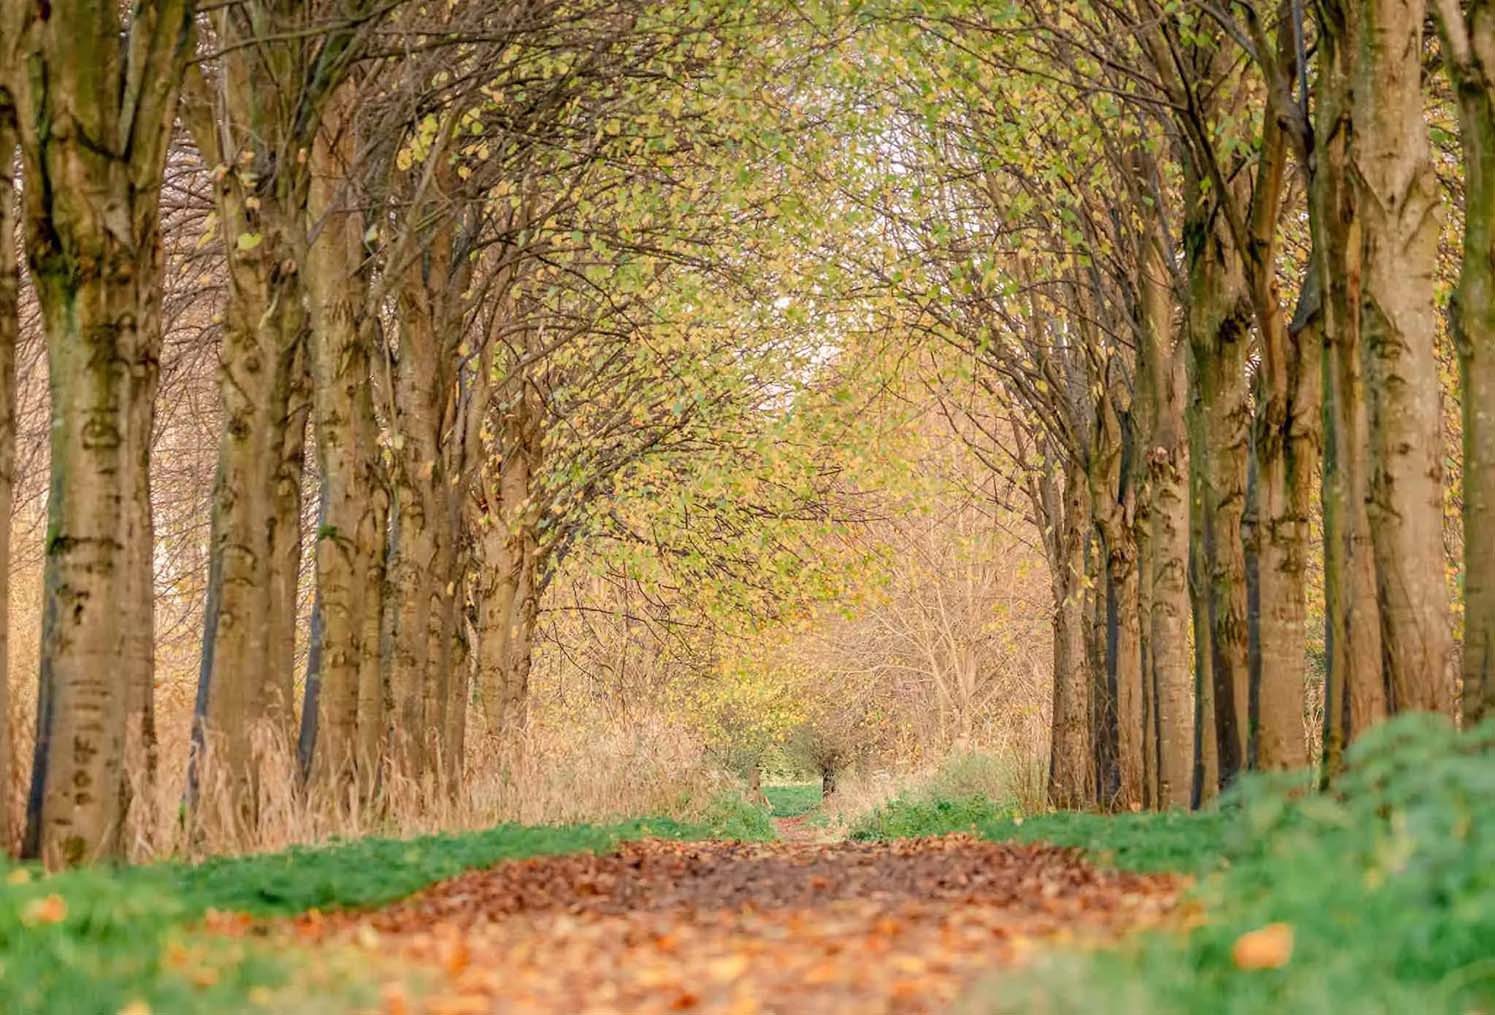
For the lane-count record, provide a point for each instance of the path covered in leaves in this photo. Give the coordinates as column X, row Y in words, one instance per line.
column 740, row 928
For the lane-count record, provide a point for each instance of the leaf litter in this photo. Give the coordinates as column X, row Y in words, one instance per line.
column 726, row 928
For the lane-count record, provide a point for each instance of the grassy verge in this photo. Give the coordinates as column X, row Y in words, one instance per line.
column 793, row 800
column 1376, row 897
column 1144, row 842
column 102, row 942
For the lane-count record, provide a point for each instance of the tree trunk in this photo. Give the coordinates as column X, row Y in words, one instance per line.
column 1167, row 461
column 1207, row 762
column 107, row 85
column 1071, row 771
column 349, row 539
column 9, row 337
column 1113, row 496
column 249, row 629
column 1397, row 201
column 510, row 596
column 1142, row 536
column 461, row 660
column 1286, row 447
column 1469, row 56
column 1219, row 322
column 1355, row 694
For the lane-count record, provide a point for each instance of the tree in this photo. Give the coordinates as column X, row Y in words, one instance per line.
column 95, row 118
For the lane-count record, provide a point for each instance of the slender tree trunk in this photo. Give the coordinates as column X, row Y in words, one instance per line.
column 138, row 778
column 9, row 337
column 1355, row 693
column 1398, row 204
column 1167, row 458
column 1142, row 536
column 247, row 671
column 1219, row 321
column 1071, row 768
column 461, row 660
column 1113, row 493
column 349, row 540
column 1287, row 450
column 1469, row 56
column 1207, row 770
column 510, row 599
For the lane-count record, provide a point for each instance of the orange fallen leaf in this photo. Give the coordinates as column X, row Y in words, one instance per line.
column 1268, row 947
column 51, row 909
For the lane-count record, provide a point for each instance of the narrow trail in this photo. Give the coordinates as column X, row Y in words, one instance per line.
column 792, row 927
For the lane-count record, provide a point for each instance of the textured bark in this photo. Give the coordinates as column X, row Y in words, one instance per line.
column 1163, row 366
column 1113, row 495
column 349, row 539
column 1102, row 696
column 1219, row 320
column 9, row 334
column 428, row 485
column 1469, row 56
column 1207, row 761
column 95, row 118
column 1397, row 199
column 508, row 589
column 1355, row 694
column 243, row 124
column 460, row 662
column 1287, row 449
column 1067, row 526
column 1142, row 536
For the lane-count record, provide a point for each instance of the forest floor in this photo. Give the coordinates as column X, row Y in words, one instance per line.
column 793, row 926
column 1377, row 897
column 805, row 923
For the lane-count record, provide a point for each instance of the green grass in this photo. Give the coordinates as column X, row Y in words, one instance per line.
column 793, row 800
column 1388, row 883
column 1144, row 842
column 127, row 936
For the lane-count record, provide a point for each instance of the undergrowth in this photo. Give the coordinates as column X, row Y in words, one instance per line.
column 1387, row 884
column 96, row 942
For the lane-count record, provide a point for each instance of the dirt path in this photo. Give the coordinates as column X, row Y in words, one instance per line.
column 792, row 928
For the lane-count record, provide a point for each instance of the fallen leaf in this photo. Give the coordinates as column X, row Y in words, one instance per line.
column 1268, row 947
column 50, row 909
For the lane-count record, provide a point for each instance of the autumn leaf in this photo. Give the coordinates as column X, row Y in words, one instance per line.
column 1268, row 947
